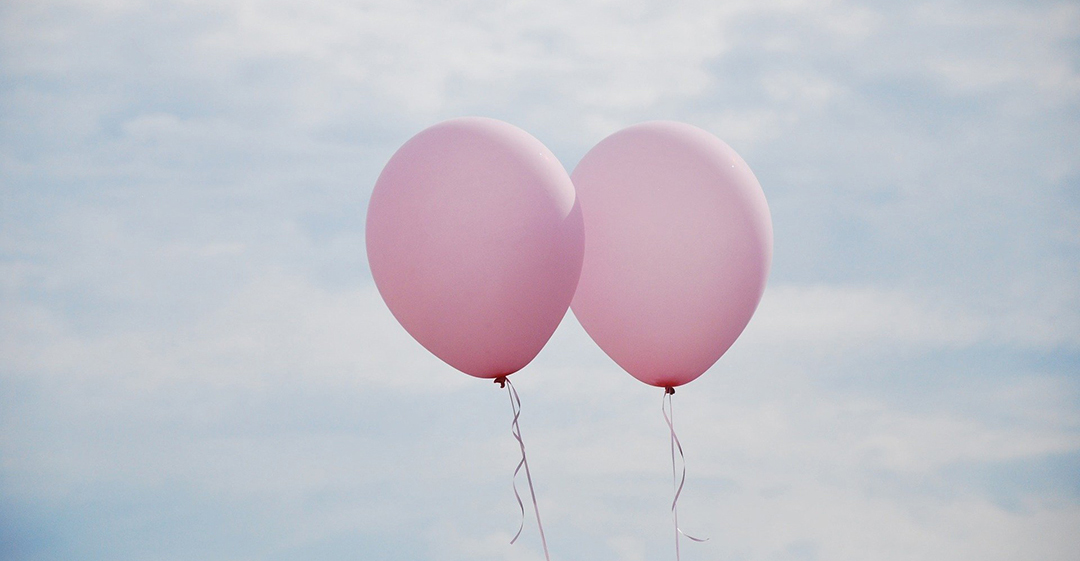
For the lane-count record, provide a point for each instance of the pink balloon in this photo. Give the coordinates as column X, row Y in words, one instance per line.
column 678, row 242
column 474, row 238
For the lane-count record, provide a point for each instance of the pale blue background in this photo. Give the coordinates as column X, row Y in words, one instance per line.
column 194, row 363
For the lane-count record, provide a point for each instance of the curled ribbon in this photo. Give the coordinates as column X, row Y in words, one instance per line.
column 515, row 429
column 678, row 481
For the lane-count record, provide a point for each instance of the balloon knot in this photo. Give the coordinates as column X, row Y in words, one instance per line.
column 501, row 380
column 669, row 390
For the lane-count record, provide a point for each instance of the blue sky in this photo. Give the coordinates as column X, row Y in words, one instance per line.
column 194, row 362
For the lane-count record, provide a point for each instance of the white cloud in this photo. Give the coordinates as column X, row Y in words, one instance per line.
column 772, row 472
column 1025, row 54
column 843, row 319
column 273, row 329
column 185, row 307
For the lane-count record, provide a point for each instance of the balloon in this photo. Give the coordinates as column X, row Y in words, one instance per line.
column 474, row 238
column 678, row 242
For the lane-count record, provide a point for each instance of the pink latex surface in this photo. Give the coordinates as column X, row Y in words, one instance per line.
column 474, row 239
column 678, row 242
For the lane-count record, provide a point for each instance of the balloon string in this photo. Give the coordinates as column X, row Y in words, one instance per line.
column 515, row 429
column 677, row 480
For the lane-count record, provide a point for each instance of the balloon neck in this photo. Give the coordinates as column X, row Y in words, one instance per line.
column 501, row 380
column 669, row 390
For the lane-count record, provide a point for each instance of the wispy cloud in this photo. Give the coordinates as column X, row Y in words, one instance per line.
column 194, row 362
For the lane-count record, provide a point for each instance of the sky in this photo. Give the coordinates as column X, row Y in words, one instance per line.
column 195, row 364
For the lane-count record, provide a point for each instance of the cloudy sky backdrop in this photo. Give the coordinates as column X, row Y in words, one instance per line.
column 195, row 364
